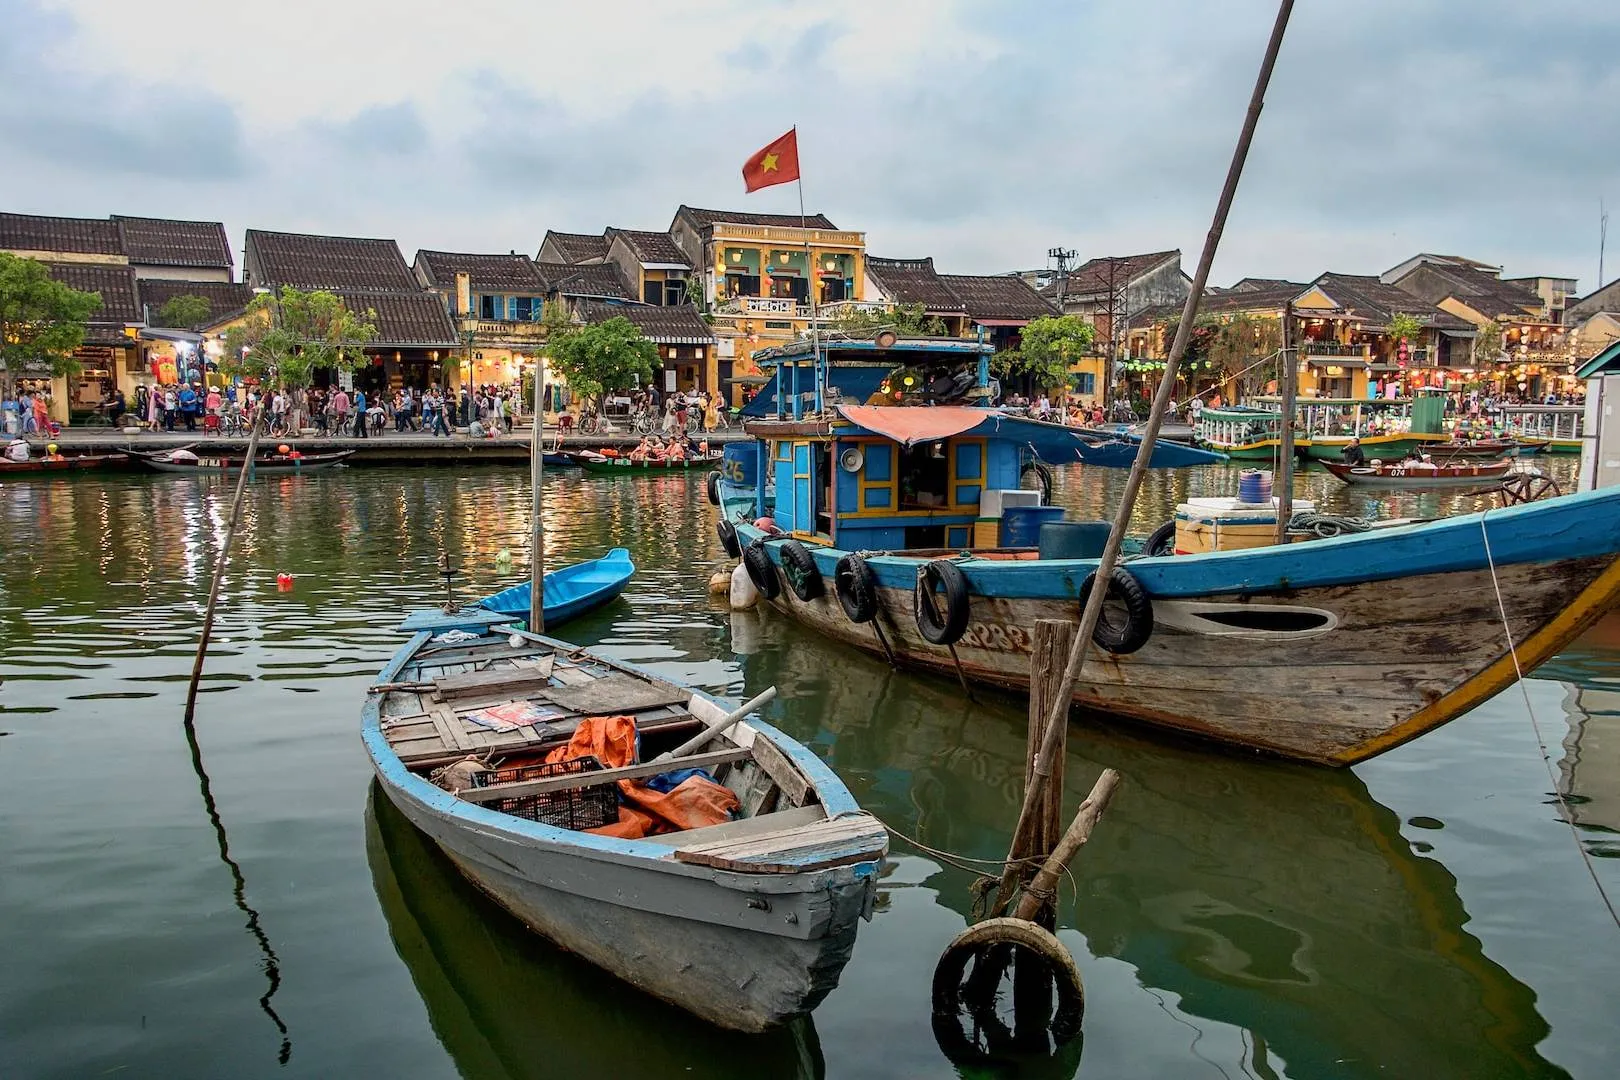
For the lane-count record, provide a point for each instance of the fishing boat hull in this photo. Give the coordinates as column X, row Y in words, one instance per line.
column 267, row 466
column 1330, row 652
column 1442, row 476
column 569, row 591
column 1563, row 446
column 67, row 464
column 625, row 467
column 1328, row 448
column 1265, row 450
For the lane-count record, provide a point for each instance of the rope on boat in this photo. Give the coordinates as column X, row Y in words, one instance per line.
column 1546, row 758
column 1327, row 525
column 983, row 885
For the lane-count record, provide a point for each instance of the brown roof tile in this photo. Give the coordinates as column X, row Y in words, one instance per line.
column 326, row 262
column 914, row 281
column 678, row 325
column 577, row 247
column 81, row 236
column 116, row 284
column 1093, row 276
column 224, row 297
column 592, row 280
column 507, row 273
column 1370, row 298
column 164, row 242
column 651, row 247
column 998, row 296
column 414, row 319
column 704, row 218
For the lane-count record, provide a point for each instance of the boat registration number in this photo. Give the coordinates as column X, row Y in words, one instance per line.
column 996, row 637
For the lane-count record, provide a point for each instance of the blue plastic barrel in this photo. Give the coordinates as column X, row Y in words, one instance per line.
column 1074, row 539
column 1021, row 525
column 1254, row 487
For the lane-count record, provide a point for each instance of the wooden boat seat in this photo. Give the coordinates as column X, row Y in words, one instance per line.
column 792, row 850
column 604, row 776
column 747, row 827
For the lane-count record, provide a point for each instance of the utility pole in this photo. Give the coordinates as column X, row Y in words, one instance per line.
column 1063, row 257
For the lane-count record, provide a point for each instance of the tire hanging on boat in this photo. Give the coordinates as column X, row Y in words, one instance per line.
column 799, row 567
column 856, row 586
column 1162, row 541
column 761, row 571
column 1121, row 632
column 1043, row 476
column 728, row 538
column 711, row 486
column 937, row 628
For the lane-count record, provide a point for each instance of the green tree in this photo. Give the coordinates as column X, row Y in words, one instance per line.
column 1410, row 327
column 1245, row 349
column 42, row 321
column 185, row 310
column 907, row 320
column 605, row 356
column 1489, row 344
column 1047, row 348
column 286, row 336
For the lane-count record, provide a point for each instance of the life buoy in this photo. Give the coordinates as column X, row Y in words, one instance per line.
column 1125, row 626
column 1043, row 476
column 728, row 538
column 799, row 567
column 935, row 628
column 856, row 586
column 1162, row 541
column 761, row 571
column 712, row 487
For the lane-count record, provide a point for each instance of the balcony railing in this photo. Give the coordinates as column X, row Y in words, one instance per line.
column 503, row 328
column 1334, row 348
column 839, row 308
column 764, row 306
column 727, row 233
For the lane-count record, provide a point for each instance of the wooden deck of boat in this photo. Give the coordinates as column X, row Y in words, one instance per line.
column 426, row 720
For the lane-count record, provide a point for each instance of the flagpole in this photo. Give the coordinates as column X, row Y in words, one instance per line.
column 810, row 278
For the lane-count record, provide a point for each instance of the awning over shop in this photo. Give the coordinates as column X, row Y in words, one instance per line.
column 1002, row 322
column 158, row 333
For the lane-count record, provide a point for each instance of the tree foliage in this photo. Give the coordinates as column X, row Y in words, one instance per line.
column 42, row 321
column 1489, row 344
column 907, row 320
column 285, row 337
column 1410, row 327
column 605, row 356
column 1047, row 348
column 185, row 310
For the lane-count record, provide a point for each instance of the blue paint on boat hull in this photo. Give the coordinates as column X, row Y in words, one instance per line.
column 570, row 591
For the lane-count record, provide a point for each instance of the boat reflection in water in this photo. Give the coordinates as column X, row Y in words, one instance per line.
column 505, row 1004
column 1277, row 898
column 1589, row 767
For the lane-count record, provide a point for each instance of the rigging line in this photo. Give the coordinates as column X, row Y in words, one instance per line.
column 271, row 963
column 1546, row 759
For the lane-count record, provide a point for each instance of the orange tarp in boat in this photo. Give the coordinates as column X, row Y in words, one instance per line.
column 643, row 810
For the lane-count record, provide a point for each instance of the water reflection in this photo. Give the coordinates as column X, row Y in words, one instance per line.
column 1589, row 765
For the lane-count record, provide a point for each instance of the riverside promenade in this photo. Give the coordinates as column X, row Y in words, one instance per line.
column 388, row 448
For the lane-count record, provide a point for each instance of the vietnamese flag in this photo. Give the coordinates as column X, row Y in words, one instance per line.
column 778, row 163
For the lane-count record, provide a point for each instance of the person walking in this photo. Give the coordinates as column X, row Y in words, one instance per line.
column 340, row 410
column 359, row 413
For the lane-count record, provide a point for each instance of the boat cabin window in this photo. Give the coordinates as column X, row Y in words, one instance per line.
column 925, row 476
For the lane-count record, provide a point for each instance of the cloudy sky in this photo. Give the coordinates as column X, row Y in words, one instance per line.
column 980, row 133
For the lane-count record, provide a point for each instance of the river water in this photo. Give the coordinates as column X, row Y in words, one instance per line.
column 245, row 905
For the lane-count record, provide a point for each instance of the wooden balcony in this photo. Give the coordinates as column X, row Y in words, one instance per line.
column 1334, row 350
column 728, row 233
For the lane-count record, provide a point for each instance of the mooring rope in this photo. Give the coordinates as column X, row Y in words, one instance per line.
column 1546, row 758
column 982, row 885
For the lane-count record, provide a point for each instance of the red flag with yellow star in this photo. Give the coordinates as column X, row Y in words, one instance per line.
column 778, row 163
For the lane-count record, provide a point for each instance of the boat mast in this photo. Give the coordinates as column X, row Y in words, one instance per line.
column 1285, row 447
column 537, row 535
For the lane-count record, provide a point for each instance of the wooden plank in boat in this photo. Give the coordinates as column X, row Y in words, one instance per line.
column 484, row 653
column 615, row 693
column 573, row 675
column 450, row 728
column 783, row 771
column 510, row 676
column 399, row 703
column 606, row 776
column 808, row 847
column 436, row 752
column 729, row 831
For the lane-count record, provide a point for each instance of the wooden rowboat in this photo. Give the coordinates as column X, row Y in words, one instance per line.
column 1486, row 448
column 569, row 590
column 1420, row 476
column 623, row 466
column 263, row 463
column 746, row 924
column 64, row 464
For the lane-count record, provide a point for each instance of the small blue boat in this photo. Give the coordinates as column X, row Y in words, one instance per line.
column 569, row 590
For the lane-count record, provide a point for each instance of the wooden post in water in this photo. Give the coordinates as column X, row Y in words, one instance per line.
column 537, row 534
column 1285, row 428
column 1053, row 639
column 219, row 563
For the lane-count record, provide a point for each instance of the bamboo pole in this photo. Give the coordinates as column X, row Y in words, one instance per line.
column 1035, row 790
column 224, row 556
column 1285, row 430
column 1074, row 838
column 537, row 534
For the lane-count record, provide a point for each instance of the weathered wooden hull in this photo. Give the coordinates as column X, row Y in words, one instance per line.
column 66, row 464
column 691, row 938
column 1386, row 447
column 1488, row 475
column 1260, row 451
column 626, row 467
column 1390, row 651
column 219, row 465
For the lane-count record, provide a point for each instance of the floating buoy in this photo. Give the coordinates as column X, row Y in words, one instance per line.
column 719, row 582
column 503, row 557
column 765, row 524
column 283, row 448
column 744, row 594
column 284, row 582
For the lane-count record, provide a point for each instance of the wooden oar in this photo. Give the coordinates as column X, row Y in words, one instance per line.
column 719, row 726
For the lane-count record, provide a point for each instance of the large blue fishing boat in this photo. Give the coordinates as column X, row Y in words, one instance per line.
column 880, row 503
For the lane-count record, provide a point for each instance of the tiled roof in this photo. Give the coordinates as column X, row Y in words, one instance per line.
column 508, row 273
column 1093, row 276
column 80, row 236
column 1366, row 296
column 577, row 247
column 163, row 242
column 327, row 262
column 1485, row 292
column 592, row 280
column 1262, row 284
column 116, row 284
column 651, row 247
column 914, row 281
column 414, row 319
column 224, row 297
column 998, row 296
column 704, row 218
column 679, row 325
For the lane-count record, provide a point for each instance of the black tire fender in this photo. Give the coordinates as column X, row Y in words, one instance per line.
column 1162, row 541
column 1043, row 473
column 727, row 532
column 937, row 628
column 711, row 486
column 799, row 567
column 1128, row 627
column 856, row 586
column 761, row 571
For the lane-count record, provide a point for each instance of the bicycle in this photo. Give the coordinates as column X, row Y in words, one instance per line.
column 232, row 423
column 277, row 426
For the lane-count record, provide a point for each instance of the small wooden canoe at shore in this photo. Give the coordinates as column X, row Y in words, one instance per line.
column 623, row 466
column 1421, row 475
column 64, row 463
column 747, row 923
column 1486, row 448
column 263, row 463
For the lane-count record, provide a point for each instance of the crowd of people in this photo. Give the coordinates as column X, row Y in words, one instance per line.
column 328, row 411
